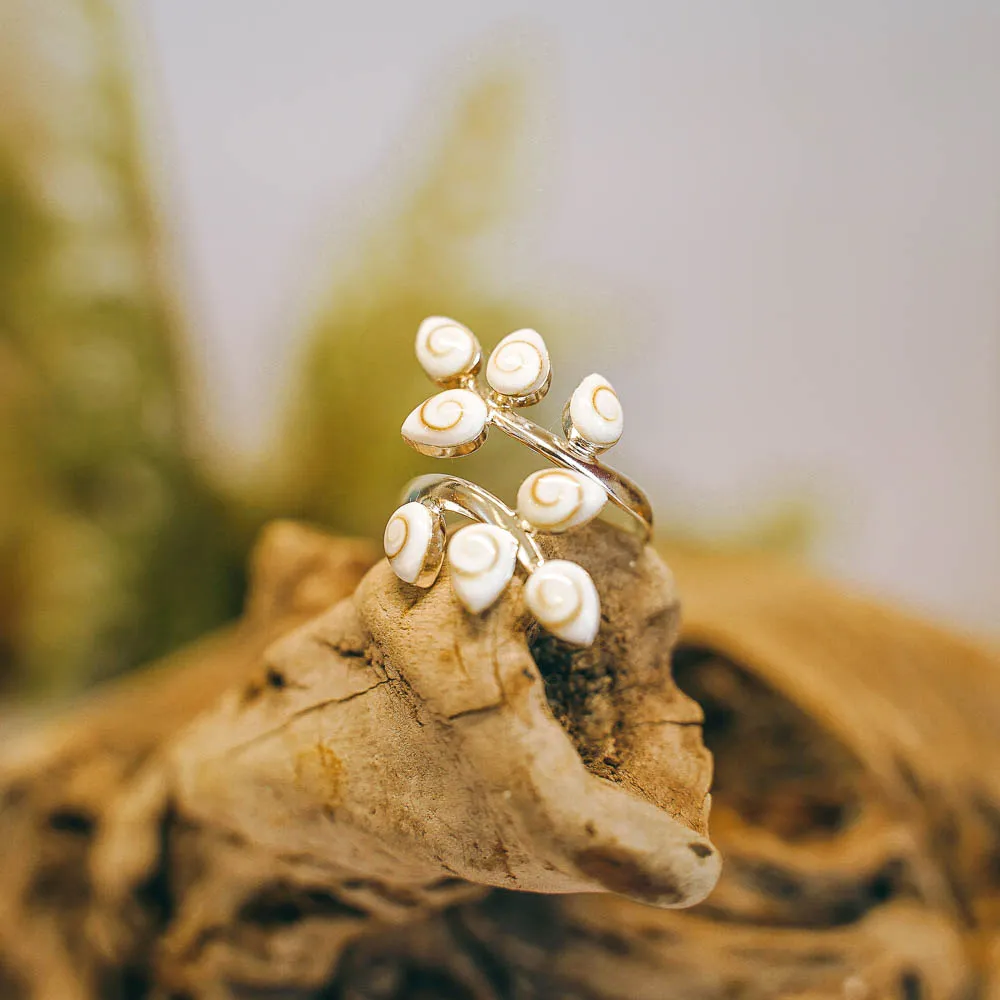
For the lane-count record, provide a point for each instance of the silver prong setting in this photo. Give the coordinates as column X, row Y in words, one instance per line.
column 592, row 418
column 448, row 351
column 453, row 422
column 519, row 372
column 414, row 543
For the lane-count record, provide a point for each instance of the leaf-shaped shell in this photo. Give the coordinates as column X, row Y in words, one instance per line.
column 562, row 596
column 519, row 367
column 446, row 350
column 594, row 412
column 451, row 423
column 481, row 558
column 414, row 543
column 559, row 499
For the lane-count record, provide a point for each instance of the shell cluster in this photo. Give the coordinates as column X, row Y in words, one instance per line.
column 481, row 560
column 518, row 373
column 482, row 557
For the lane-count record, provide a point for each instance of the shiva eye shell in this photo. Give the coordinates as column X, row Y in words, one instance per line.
column 481, row 558
column 594, row 413
column 451, row 423
column 518, row 369
column 562, row 596
column 446, row 350
column 414, row 543
column 559, row 499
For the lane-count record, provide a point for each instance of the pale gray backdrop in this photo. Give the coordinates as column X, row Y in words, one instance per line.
column 798, row 202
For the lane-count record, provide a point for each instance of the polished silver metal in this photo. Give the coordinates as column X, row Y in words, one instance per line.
column 621, row 491
column 486, row 408
column 443, row 493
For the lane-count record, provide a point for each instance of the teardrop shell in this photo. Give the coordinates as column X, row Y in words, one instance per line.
column 559, row 499
column 519, row 367
column 451, row 423
column 562, row 596
column 481, row 558
column 414, row 543
column 595, row 412
column 447, row 350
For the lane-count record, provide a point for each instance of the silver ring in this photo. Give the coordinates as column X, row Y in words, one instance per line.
column 456, row 421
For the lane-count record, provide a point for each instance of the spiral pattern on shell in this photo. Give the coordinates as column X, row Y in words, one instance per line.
column 452, row 422
column 481, row 558
column 559, row 499
column 562, row 597
column 595, row 412
column 519, row 365
column 446, row 350
column 414, row 543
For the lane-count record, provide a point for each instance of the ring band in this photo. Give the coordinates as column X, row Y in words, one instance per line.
column 460, row 496
column 621, row 491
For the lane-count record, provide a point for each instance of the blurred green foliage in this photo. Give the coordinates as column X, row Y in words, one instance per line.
column 116, row 544
column 113, row 546
column 358, row 377
column 786, row 527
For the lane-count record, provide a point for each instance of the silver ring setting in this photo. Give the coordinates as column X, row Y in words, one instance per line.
column 482, row 557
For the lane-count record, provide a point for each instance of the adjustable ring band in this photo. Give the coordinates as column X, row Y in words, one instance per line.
column 622, row 492
column 459, row 496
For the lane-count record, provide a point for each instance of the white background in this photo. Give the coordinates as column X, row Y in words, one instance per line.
column 797, row 202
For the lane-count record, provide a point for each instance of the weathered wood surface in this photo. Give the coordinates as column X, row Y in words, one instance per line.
column 379, row 797
column 856, row 804
column 229, row 823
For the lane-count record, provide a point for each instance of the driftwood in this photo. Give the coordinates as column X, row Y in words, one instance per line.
column 386, row 758
column 856, row 803
column 380, row 797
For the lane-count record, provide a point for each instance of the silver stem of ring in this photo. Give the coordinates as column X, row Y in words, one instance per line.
column 459, row 496
column 621, row 491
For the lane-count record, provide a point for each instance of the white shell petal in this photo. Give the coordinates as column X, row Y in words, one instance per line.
column 559, row 499
column 595, row 411
column 446, row 350
column 481, row 558
column 451, row 423
column 414, row 544
column 519, row 364
column 562, row 596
